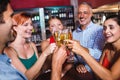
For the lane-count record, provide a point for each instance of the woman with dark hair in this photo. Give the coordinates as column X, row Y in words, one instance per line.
column 109, row 66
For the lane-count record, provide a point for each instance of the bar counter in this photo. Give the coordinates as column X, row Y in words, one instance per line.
column 72, row 74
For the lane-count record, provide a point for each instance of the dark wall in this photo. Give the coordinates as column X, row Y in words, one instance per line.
column 20, row 4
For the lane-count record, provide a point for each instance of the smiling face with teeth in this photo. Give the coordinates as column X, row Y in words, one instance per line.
column 111, row 31
column 84, row 14
column 22, row 25
column 25, row 30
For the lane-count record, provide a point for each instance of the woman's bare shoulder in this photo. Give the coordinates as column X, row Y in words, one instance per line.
column 44, row 44
column 9, row 51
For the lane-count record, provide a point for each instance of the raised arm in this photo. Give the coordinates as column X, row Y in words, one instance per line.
column 34, row 70
column 102, row 72
column 58, row 59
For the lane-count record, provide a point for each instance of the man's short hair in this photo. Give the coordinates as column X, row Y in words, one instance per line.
column 86, row 3
column 3, row 7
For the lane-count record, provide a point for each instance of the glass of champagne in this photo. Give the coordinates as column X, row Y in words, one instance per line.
column 59, row 37
column 68, row 35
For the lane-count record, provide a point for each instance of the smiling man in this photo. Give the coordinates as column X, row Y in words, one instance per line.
column 7, row 71
column 89, row 35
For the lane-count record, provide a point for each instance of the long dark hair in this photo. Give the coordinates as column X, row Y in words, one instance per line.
column 115, row 58
column 116, row 18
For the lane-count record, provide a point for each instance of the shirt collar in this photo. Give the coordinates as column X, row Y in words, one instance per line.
column 89, row 25
column 5, row 58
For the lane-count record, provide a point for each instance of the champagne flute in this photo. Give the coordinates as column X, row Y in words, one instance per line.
column 68, row 35
column 59, row 38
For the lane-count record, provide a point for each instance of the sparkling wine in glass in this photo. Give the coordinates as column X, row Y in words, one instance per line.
column 67, row 35
column 59, row 38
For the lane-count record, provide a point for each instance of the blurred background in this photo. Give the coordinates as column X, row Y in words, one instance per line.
column 42, row 10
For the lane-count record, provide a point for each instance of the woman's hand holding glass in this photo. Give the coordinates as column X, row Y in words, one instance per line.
column 60, row 37
column 76, row 47
column 49, row 50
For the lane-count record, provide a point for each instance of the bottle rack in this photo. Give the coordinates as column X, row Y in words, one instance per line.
column 99, row 17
